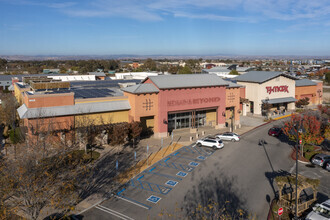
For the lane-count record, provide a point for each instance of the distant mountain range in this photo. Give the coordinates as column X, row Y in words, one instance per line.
column 142, row 57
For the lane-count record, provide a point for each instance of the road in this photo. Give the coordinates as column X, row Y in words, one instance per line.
column 239, row 176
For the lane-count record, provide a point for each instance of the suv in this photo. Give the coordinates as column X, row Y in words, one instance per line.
column 320, row 211
column 210, row 142
column 228, row 136
column 321, row 159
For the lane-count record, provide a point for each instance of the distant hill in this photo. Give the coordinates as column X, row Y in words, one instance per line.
column 141, row 57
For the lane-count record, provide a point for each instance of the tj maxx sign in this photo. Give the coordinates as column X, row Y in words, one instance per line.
column 277, row 89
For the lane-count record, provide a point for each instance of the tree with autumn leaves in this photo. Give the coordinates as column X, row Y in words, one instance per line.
column 311, row 126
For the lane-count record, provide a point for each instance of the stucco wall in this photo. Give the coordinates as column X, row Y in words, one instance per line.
column 173, row 100
column 143, row 105
column 306, row 91
column 101, row 118
column 256, row 92
column 48, row 100
column 233, row 100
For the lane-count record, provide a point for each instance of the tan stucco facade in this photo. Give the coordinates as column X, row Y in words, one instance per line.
column 279, row 87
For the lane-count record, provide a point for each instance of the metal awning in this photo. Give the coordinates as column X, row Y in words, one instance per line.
column 279, row 100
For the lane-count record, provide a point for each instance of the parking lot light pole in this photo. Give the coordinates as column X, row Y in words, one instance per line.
column 299, row 130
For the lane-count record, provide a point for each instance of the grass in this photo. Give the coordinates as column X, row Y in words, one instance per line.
column 80, row 154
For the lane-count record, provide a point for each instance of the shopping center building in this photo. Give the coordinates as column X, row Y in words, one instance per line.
column 163, row 103
column 278, row 89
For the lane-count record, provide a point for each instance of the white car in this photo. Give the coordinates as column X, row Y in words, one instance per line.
column 228, row 136
column 210, row 142
column 320, row 211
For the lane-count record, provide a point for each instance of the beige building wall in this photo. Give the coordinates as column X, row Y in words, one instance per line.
column 256, row 92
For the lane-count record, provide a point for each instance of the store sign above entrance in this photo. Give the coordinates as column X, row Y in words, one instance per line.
column 192, row 101
column 277, row 89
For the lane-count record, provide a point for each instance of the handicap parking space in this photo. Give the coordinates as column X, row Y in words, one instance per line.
column 151, row 186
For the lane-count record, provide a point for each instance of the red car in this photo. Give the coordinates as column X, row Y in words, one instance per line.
column 275, row 132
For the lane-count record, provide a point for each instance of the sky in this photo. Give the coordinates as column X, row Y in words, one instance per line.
column 165, row 27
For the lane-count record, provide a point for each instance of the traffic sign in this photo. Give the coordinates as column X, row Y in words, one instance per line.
column 300, row 141
column 280, row 211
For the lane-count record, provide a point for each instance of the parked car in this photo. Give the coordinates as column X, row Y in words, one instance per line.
column 275, row 131
column 321, row 159
column 320, row 211
column 210, row 142
column 327, row 167
column 228, row 136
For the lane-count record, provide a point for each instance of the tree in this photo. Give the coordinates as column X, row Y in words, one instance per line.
column 327, row 77
column 302, row 102
column 3, row 63
column 8, row 110
column 173, row 69
column 135, row 130
column 30, row 184
column 266, row 107
column 233, row 72
column 149, row 65
column 184, row 70
column 310, row 125
column 193, row 65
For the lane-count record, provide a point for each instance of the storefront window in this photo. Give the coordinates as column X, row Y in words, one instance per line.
column 185, row 120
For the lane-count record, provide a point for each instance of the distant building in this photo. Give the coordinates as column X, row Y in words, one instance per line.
column 98, row 75
column 50, row 71
column 135, row 75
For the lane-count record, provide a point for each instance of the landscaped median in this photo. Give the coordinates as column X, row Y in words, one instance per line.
column 140, row 166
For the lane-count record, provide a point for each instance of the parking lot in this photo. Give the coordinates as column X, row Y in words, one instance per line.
column 147, row 189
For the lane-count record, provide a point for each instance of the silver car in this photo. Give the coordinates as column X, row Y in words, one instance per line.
column 320, row 211
column 228, row 136
column 321, row 159
column 327, row 167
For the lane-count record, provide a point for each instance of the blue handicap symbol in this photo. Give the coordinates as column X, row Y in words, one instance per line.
column 183, row 174
column 194, row 164
column 171, row 183
column 201, row 157
column 153, row 199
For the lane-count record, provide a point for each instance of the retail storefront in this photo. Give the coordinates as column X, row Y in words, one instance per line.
column 179, row 101
column 273, row 89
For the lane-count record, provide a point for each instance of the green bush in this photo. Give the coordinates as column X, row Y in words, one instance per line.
column 309, row 155
column 15, row 135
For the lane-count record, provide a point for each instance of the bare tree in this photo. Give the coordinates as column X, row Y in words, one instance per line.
column 34, row 183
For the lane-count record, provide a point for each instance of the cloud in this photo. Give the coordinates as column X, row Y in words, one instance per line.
column 218, row 10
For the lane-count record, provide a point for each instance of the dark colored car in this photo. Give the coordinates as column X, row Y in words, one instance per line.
column 275, row 132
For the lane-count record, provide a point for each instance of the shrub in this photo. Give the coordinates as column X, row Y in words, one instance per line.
column 15, row 135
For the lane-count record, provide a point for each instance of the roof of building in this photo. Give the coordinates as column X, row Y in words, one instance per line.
column 217, row 69
column 305, row 82
column 232, row 84
column 261, row 76
column 77, row 109
column 96, row 73
column 9, row 77
column 280, row 100
column 141, row 88
column 186, row 81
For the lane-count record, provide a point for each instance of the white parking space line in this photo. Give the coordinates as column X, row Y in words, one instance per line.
column 112, row 212
column 131, row 202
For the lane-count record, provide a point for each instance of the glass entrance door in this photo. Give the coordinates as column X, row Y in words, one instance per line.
column 186, row 120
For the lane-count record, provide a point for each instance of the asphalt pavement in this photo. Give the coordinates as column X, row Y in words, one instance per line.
column 239, row 176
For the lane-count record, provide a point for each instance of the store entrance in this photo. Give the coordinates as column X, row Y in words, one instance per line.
column 192, row 119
